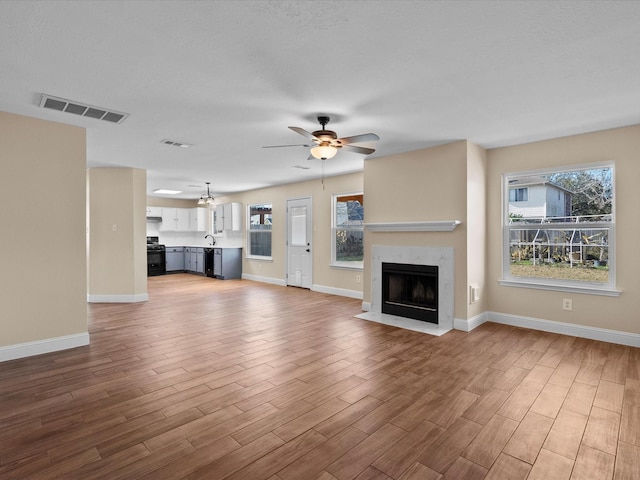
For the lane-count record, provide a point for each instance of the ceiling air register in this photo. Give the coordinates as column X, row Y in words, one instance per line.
column 82, row 109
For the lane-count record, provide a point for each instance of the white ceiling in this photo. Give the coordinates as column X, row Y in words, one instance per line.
column 230, row 76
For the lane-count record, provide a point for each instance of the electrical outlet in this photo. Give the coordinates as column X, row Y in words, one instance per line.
column 567, row 304
column 358, row 279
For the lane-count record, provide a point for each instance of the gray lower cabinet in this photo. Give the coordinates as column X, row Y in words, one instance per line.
column 187, row 259
column 194, row 260
column 199, row 264
column 227, row 263
column 175, row 259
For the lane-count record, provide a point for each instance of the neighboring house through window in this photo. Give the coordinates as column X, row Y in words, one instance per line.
column 348, row 230
column 559, row 229
column 259, row 230
column 518, row 194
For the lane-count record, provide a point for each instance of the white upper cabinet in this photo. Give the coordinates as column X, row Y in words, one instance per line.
column 175, row 219
column 219, row 219
column 154, row 211
column 228, row 217
column 198, row 219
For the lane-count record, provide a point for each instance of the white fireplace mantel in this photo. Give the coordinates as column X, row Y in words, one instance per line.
column 426, row 226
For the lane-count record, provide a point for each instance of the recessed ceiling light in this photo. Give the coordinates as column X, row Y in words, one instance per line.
column 167, row 192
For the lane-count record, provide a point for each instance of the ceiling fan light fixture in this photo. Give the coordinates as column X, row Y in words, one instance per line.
column 324, row 152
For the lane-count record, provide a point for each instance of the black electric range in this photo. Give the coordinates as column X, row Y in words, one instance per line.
column 156, row 257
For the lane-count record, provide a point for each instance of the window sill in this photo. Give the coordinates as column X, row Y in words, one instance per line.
column 347, row 266
column 256, row 257
column 561, row 288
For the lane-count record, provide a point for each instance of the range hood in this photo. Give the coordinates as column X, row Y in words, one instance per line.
column 154, row 219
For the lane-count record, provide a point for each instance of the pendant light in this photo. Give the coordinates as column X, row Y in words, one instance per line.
column 208, row 199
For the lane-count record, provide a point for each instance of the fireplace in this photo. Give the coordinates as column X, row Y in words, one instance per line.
column 440, row 257
column 410, row 291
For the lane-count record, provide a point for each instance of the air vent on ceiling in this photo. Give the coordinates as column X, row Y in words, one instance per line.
column 176, row 144
column 71, row 106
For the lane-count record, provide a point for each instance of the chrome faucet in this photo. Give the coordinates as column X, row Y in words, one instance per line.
column 213, row 240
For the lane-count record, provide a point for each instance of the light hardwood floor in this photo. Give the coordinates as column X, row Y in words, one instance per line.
column 241, row 380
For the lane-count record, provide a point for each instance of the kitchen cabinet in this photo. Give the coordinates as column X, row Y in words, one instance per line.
column 227, row 263
column 198, row 219
column 194, row 260
column 228, row 217
column 218, row 227
column 175, row 259
column 154, row 212
column 199, row 268
column 175, row 220
column 187, row 259
column 188, row 267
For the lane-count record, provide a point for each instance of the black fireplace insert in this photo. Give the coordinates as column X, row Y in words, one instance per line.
column 410, row 291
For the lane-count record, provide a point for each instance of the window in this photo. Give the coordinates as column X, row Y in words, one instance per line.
column 259, row 231
column 348, row 230
column 563, row 238
column 518, row 194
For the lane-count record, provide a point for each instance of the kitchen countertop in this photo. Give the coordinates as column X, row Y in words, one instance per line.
column 200, row 246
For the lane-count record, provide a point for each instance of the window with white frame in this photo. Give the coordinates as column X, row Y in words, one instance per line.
column 563, row 237
column 518, row 194
column 348, row 230
column 259, row 230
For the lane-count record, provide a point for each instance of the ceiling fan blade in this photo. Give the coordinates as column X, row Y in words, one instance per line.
column 356, row 149
column 365, row 137
column 303, row 132
column 280, row 146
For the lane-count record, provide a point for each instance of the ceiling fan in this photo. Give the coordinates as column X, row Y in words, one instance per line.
column 325, row 144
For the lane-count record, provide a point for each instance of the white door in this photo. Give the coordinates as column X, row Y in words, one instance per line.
column 299, row 244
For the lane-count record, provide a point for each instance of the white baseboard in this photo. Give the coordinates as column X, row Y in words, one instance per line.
column 141, row 297
column 582, row 331
column 258, row 278
column 343, row 292
column 316, row 288
column 29, row 349
column 471, row 323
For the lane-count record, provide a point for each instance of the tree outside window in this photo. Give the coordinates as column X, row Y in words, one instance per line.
column 564, row 234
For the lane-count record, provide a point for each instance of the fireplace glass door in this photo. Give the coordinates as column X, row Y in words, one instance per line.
column 410, row 291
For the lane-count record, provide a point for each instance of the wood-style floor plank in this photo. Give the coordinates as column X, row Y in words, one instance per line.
column 236, row 379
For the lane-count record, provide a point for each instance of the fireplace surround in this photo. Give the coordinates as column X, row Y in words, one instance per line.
column 441, row 257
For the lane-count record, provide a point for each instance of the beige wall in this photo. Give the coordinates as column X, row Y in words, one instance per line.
column 42, row 238
column 117, row 257
column 172, row 202
column 323, row 273
column 621, row 146
column 476, row 226
column 425, row 185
